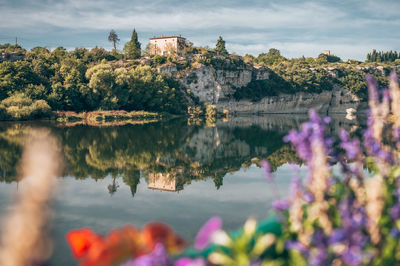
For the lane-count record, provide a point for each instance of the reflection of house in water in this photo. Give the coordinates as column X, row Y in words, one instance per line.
column 162, row 181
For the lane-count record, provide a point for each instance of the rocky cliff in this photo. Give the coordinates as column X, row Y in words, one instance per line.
column 338, row 100
column 215, row 84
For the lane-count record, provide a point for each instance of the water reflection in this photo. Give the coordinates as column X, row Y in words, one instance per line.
column 159, row 165
column 168, row 156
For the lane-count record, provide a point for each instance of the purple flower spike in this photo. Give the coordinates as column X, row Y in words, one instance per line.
column 372, row 89
column 204, row 235
column 352, row 257
column 190, row 262
column 281, row 205
column 308, row 197
column 327, row 120
column 395, row 232
column 395, row 212
column 352, row 147
column 393, row 77
column 267, row 170
column 294, row 245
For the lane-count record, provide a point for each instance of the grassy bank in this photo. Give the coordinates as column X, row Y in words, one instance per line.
column 107, row 118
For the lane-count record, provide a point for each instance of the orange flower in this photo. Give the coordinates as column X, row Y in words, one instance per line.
column 81, row 240
column 121, row 244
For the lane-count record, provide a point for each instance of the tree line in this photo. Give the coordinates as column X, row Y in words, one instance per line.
column 381, row 56
column 96, row 79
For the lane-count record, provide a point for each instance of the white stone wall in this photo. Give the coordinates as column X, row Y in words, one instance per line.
column 164, row 46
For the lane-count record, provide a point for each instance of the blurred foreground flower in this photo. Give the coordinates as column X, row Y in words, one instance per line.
column 24, row 236
column 123, row 244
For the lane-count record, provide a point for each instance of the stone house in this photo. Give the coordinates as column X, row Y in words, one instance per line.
column 167, row 45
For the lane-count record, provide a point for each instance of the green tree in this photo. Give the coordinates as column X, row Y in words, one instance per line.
column 220, row 46
column 113, row 37
column 132, row 49
column 273, row 56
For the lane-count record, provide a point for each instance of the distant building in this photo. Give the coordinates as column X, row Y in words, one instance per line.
column 327, row 52
column 167, row 45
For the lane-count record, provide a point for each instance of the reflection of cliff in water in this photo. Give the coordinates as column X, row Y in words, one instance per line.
column 166, row 155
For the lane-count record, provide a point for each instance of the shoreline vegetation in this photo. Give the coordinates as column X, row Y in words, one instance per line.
column 36, row 82
column 107, row 118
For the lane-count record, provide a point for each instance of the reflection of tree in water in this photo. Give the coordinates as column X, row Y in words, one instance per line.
column 184, row 153
column 112, row 188
column 132, row 179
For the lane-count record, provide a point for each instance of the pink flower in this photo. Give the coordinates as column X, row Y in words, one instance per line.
column 190, row 262
column 204, row 235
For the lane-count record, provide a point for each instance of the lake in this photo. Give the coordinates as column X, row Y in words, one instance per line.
column 179, row 172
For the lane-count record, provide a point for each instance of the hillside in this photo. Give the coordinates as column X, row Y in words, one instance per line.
column 34, row 83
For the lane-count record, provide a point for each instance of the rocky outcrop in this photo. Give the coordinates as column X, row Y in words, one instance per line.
column 339, row 100
column 213, row 85
column 216, row 86
column 11, row 56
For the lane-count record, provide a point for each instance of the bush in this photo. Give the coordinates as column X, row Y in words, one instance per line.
column 21, row 107
column 159, row 60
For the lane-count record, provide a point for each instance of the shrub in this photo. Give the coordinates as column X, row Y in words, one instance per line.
column 159, row 60
column 21, row 107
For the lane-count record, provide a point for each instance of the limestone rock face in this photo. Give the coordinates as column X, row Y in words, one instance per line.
column 337, row 101
column 168, row 69
column 213, row 85
column 216, row 86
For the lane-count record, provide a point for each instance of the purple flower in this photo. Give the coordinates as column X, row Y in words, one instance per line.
column 321, row 258
column 190, row 262
column 397, row 134
column 352, row 147
column 295, row 186
column 327, row 120
column 395, row 232
column 308, row 197
column 372, row 89
column 395, row 212
column 267, row 170
column 158, row 256
column 352, row 256
column 374, row 148
column 337, row 236
column 281, row 205
column 294, row 245
column 203, row 237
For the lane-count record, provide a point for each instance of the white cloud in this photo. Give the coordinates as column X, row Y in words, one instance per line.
column 350, row 30
column 75, row 15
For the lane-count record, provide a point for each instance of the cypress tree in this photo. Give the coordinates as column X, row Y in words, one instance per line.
column 132, row 48
column 220, row 47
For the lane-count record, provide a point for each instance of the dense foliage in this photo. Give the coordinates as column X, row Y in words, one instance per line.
column 382, row 56
column 83, row 80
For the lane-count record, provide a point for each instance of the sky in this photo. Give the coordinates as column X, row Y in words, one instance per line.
column 350, row 29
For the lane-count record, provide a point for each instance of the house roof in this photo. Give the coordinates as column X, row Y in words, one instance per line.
column 166, row 37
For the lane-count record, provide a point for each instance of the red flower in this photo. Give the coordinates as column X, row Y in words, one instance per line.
column 81, row 241
column 121, row 244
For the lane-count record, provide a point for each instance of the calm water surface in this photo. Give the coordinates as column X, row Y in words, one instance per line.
column 171, row 172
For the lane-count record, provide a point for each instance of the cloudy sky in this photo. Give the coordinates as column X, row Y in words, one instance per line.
column 349, row 28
